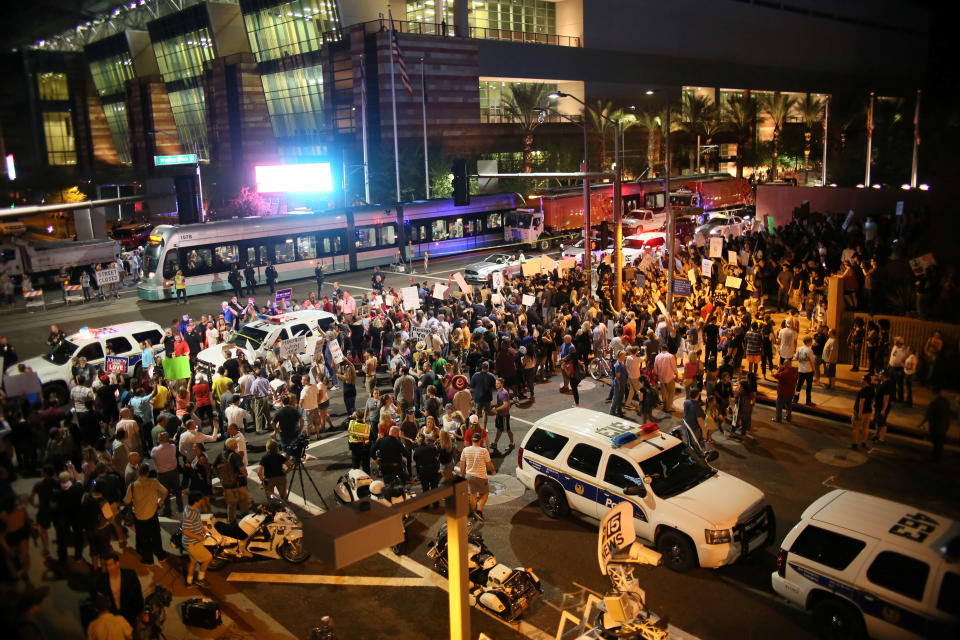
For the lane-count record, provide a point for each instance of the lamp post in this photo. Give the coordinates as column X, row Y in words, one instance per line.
column 203, row 214
column 617, row 200
column 587, row 255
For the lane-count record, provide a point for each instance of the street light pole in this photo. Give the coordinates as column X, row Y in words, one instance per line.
column 826, row 124
column 666, row 199
column 617, row 217
column 587, row 254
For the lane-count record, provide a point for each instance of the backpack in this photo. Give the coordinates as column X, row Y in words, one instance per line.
column 225, row 469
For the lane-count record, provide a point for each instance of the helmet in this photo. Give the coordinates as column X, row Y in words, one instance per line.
column 376, row 487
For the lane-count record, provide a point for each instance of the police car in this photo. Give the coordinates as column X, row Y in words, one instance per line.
column 587, row 461
column 120, row 341
column 256, row 337
column 865, row 566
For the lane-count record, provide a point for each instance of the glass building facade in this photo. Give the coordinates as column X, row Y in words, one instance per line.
column 493, row 94
column 528, row 16
column 58, row 138
column 52, row 85
column 111, row 66
column 278, row 29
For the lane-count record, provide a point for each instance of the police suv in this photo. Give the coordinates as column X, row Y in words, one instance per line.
column 119, row 342
column 587, row 461
column 256, row 337
column 868, row 566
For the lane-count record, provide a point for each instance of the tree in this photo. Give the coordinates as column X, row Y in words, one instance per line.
column 520, row 105
column 598, row 115
column 811, row 112
column 248, row 203
column 778, row 107
column 698, row 114
column 651, row 120
column 739, row 114
column 627, row 119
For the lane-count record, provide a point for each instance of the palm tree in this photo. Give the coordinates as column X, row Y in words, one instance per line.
column 626, row 118
column 696, row 112
column 520, row 105
column 778, row 107
column 652, row 121
column 811, row 111
column 739, row 114
column 598, row 115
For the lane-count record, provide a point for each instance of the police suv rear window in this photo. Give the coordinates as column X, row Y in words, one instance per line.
column 546, row 443
column 834, row 550
column 897, row 572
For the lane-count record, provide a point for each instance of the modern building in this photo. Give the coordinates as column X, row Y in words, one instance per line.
column 282, row 81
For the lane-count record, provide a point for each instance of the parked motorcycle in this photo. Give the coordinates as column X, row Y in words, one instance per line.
column 505, row 592
column 356, row 485
column 271, row 531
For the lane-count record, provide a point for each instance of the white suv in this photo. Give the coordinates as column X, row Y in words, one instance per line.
column 123, row 340
column 868, row 566
column 587, row 461
column 261, row 335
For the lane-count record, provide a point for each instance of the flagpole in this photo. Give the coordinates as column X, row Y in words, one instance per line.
column 363, row 128
column 866, row 179
column 916, row 143
column 426, row 156
column 826, row 124
column 393, row 91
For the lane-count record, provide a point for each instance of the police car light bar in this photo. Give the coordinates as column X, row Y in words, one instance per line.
column 623, row 439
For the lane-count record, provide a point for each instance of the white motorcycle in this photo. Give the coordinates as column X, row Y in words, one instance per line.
column 357, row 485
column 271, row 531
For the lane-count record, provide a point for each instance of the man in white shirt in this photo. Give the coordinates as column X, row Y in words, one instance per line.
column 164, row 457
column 236, row 414
column 191, row 436
column 806, row 361
column 787, row 340
column 310, row 402
column 237, row 435
column 634, row 366
column 898, row 358
column 474, row 464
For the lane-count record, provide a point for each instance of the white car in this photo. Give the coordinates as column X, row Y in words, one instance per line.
column 721, row 224
column 588, row 461
column 123, row 340
column 641, row 220
column 865, row 566
column 261, row 335
column 480, row 272
column 651, row 242
column 575, row 251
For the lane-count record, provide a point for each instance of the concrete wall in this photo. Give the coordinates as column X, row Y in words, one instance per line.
column 228, row 29
column 141, row 50
column 780, row 201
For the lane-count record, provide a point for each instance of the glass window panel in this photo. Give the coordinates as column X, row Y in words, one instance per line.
column 225, row 255
column 469, row 226
column 189, row 113
column 292, row 28
column 116, row 115
column 184, row 56
column 199, row 261
column 366, row 237
column 438, row 230
column 326, row 246
column 58, row 135
column 455, row 228
column 494, row 221
column 295, row 101
column 306, row 247
column 110, row 75
column 284, row 251
column 52, row 86
column 171, row 264
column 387, row 235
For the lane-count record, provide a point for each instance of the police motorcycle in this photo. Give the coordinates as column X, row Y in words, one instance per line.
column 272, row 530
column 505, row 592
column 356, row 485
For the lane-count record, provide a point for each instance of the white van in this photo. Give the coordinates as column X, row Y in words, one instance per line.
column 866, row 566
column 588, row 461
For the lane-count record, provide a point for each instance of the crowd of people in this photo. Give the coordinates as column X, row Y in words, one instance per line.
column 435, row 371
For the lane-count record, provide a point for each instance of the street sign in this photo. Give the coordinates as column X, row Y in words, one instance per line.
column 183, row 158
column 116, row 364
column 107, row 276
column 284, row 294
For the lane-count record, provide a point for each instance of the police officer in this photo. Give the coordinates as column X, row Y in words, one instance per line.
column 358, row 440
column 426, row 457
column 377, row 280
column 236, row 282
column 251, row 277
column 389, row 453
column 318, row 274
column 271, row 273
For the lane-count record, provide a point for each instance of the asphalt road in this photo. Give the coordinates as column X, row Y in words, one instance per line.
column 382, row 596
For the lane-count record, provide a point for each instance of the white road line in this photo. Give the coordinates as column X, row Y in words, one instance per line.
column 521, row 420
column 320, row 443
column 349, row 581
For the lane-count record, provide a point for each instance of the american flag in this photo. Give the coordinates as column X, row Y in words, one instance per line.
column 395, row 49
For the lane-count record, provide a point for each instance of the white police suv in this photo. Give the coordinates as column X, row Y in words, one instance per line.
column 588, row 461
column 865, row 566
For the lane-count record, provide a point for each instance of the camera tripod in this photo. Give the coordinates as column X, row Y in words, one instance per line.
column 299, row 471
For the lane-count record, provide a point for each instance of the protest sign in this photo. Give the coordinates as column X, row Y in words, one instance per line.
column 107, row 276
column 440, row 291
column 116, row 364
column 496, row 298
column 531, row 267
column 732, row 257
column 293, row 346
column 335, row 351
column 716, row 248
column 547, row 263
column 411, row 298
column 419, row 333
column 496, row 280
column 699, row 240
column 706, row 267
column 692, row 276
column 378, row 300
column 284, row 294
column 528, row 300
column 744, row 257
column 566, row 264
column 733, row 282
column 177, row 368
column 458, row 278
column 22, row 384
column 390, row 300
column 682, row 288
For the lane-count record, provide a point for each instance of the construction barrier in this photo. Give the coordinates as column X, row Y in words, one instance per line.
column 34, row 298
column 73, row 293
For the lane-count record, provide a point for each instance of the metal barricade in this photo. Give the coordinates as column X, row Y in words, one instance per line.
column 34, row 298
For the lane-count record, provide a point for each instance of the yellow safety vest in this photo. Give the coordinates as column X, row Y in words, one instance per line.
column 179, row 282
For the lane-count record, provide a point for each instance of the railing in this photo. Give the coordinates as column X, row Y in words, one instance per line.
column 483, row 33
column 498, row 115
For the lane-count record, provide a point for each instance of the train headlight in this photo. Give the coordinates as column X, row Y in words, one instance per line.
column 151, row 274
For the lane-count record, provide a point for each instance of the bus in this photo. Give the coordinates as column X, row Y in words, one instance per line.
column 343, row 240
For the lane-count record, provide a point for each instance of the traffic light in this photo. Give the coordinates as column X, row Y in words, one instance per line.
column 461, row 184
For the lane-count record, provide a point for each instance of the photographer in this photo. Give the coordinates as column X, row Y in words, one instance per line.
column 273, row 471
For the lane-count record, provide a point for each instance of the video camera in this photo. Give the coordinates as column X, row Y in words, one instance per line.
column 154, row 614
column 297, row 449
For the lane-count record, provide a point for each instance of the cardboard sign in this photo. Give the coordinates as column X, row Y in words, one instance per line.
column 411, row 298
column 390, row 300
column 706, row 267
column 744, row 257
column 496, row 280
column 547, row 263
column 699, row 240
column 733, row 282
column 107, row 276
column 682, row 288
column 177, row 368
column 22, row 384
column 616, row 532
column 293, row 346
column 566, row 264
column 462, row 283
column 419, row 333
column 358, row 431
column 496, row 298
column 732, row 257
column 284, row 294
column 531, row 267
column 662, row 308
column 440, row 291
column 378, row 300
column 716, row 248
column 692, row 276
column 528, row 300
column 116, row 364
column 335, row 351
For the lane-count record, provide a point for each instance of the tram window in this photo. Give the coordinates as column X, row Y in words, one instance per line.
column 199, row 261
column 366, row 237
column 283, row 251
column 469, row 226
column 225, row 255
column 264, row 257
column 419, row 233
column 171, row 263
column 387, row 235
column 455, row 228
column 494, row 221
column 306, row 247
column 438, row 230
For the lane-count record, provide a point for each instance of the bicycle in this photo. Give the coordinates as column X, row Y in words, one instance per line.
column 601, row 366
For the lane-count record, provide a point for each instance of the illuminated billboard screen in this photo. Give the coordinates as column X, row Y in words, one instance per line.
column 294, row 178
